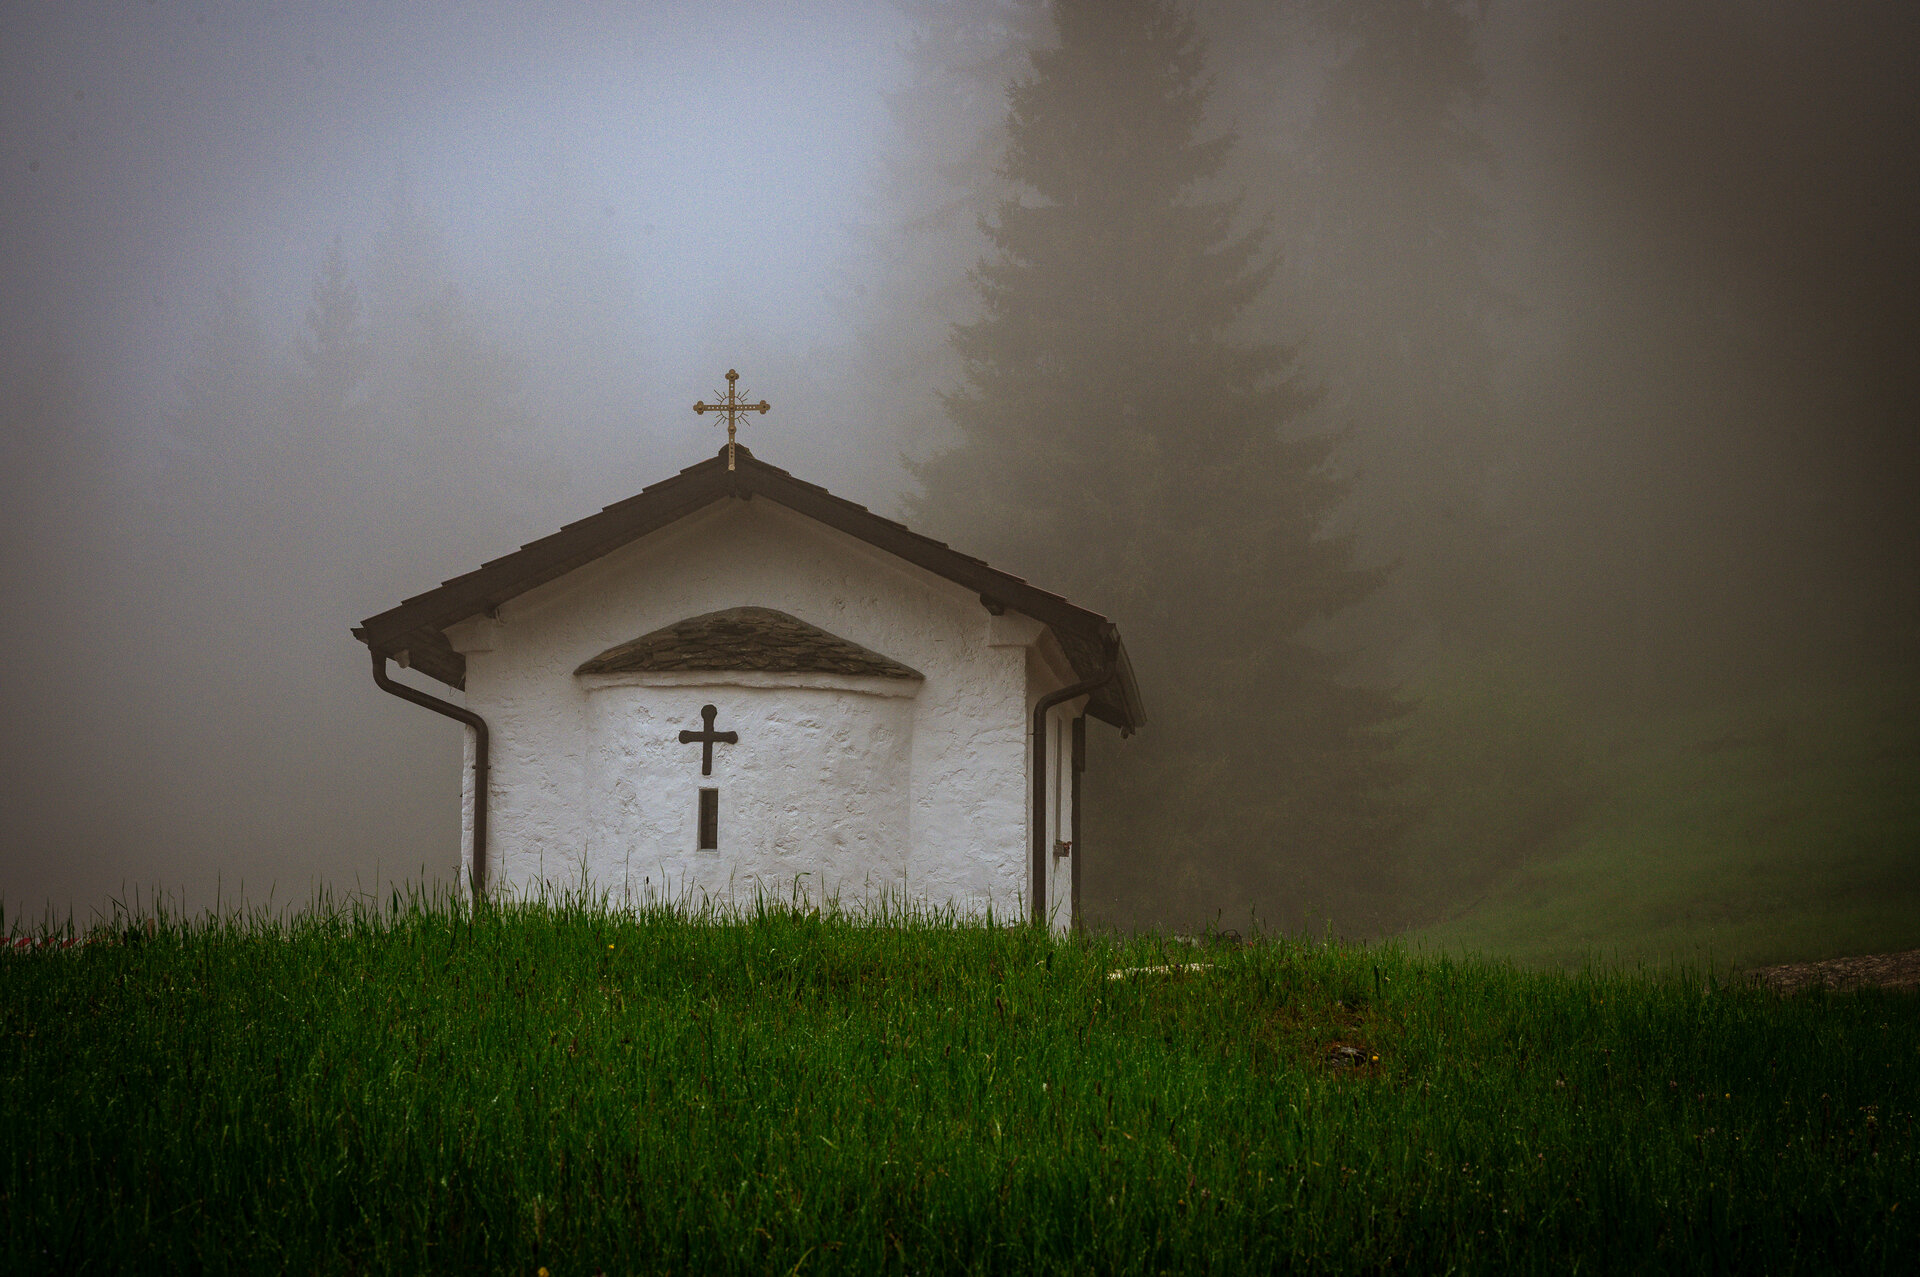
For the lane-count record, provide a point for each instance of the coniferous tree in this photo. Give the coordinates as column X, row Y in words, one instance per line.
column 333, row 345
column 223, row 399
column 1122, row 445
column 1397, row 235
column 934, row 185
column 324, row 435
column 215, row 485
column 573, row 294
column 455, row 459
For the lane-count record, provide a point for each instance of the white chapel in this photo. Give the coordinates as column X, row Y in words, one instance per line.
column 736, row 682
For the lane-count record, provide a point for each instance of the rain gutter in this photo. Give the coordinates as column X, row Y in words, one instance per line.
column 1040, row 709
column 477, row 865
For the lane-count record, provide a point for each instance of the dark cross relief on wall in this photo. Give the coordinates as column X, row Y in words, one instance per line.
column 707, row 737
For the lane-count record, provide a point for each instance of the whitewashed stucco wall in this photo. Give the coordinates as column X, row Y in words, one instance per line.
column 814, row 794
column 917, row 790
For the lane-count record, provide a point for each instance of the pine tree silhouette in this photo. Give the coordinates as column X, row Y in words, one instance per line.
column 1121, row 445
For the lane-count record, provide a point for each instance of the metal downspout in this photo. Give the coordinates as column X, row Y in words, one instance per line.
column 1046, row 703
column 477, row 867
column 1077, row 759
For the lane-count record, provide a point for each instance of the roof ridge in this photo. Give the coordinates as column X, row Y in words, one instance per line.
column 418, row 623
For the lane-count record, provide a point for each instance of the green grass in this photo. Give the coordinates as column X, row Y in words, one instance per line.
column 1779, row 830
column 562, row 1087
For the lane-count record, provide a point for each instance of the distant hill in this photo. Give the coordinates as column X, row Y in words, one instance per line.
column 1780, row 829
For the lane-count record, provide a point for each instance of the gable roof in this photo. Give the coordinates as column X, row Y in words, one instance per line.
column 745, row 638
column 1091, row 642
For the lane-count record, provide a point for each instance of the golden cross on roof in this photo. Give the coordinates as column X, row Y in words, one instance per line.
column 733, row 406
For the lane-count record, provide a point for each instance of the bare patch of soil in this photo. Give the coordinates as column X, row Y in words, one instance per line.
column 1880, row 970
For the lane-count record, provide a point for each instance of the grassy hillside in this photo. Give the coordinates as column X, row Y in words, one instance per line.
column 566, row 1090
column 1783, row 829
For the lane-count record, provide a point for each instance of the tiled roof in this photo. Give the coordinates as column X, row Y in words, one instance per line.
column 418, row 626
column 745, row 638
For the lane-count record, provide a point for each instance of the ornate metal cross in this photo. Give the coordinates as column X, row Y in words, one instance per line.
column 733, row 406
column 707, row 737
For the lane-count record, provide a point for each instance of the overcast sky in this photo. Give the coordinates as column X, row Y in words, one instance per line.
column 147, row 151
column 153, row 154
column 1704, row 222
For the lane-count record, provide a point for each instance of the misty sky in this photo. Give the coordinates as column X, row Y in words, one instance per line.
column 151, row 151
column 705, row 162
column 1702, row 229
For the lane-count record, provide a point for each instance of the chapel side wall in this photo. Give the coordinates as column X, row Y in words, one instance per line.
column 968, row 810
column 1046, row 670
column 536, row 836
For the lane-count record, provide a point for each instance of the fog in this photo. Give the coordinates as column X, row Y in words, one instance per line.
column 1635, row 412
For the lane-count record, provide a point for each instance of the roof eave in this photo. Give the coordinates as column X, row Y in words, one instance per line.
column 418, row 625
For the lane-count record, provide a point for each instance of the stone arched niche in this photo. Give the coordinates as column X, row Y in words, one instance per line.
column 814, row 788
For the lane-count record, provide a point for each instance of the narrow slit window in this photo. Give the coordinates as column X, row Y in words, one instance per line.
column 709, row 820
